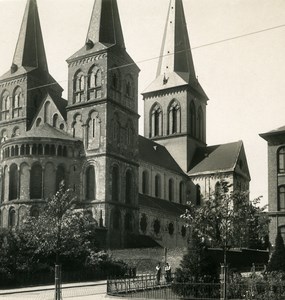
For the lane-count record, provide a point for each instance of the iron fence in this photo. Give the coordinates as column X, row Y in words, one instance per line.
column 146, row 287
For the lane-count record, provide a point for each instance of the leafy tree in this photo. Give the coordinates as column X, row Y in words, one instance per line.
column 229, row 219
column 277, row 260
column 61, row 232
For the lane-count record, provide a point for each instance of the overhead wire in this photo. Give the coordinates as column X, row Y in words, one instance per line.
column 169, row 54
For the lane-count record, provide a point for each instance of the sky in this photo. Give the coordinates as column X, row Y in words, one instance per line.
column 243, row 77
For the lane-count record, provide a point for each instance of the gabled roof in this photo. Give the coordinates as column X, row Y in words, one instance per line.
column 105, row 29
column 156, row 154
column 218, row 159
column 47, row 131
column 164, row 206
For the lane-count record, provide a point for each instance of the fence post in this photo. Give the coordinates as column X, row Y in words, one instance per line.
column 223, row 279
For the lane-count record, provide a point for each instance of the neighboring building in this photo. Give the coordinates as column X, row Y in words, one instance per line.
column 276, row 181
column 136, row 187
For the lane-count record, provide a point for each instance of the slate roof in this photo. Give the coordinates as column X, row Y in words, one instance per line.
column 275, row 132
column 156, row 154
column 47, row 131
column 173, row 80
column 164, row 206
column 218, row 158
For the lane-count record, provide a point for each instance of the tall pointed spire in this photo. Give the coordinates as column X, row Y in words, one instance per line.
column 175, row 66
column 176, row 53
column 30, row 51
column 105, row 25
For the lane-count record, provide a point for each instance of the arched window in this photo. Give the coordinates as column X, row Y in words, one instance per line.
column 17, row 103
column 174, row 118
column 5, row 106
column 157, row 186
column 13, row 182
column 218, row 188
column 129, row 187
column 59, row 150
column 143, row 223
column 192, row 119
column 12, row 218
column 36, row 182
column 78, row 87
column 128, row 222
column 116, row 130
column 34, row 212
column 281, row 198
column 198, row 195
column 22, row 150
column 281, row 160
column 94, row 131
column 47, row 149
column 156, row 121
column 156, row 226
column 170, row 190
column 181, row 192
column 130, row 133
column 4, row 135
column 116, row 220
column 94, row 83
column 200, row 125
column 90, row 187
column 38, row 122
column 115, row 183
column 55, row 120
column 115, row 84
column 46, row 112
column 77, row 126
column 145, row 182
column 129, row 86
column 60, row 176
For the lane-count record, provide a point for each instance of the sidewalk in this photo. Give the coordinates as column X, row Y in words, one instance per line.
column 51, row 287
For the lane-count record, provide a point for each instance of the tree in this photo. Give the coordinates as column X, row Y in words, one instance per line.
column 229, row 219
column 197, row 265
column 61, row 232
column 277, row 260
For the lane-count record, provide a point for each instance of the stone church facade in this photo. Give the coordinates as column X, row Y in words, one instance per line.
column 135, row 187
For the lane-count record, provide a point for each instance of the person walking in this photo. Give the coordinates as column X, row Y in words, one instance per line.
column 158, row 273
column 167, row 270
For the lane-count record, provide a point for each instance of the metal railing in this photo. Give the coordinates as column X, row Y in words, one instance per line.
column 146, row 287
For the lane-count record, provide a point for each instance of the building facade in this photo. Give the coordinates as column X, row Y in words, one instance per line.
column 135, row 187
column 276, row 181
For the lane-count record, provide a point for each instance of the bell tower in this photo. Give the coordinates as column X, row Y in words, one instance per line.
column 175, row 103
column 102, row 111
column 24, row 86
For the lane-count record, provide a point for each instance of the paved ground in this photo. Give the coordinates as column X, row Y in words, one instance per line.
column 86, row 291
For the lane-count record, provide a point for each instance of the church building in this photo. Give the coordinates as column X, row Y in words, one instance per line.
column 136, row 187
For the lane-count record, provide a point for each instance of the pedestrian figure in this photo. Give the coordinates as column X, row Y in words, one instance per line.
column 158, row 273
column 167, row 269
